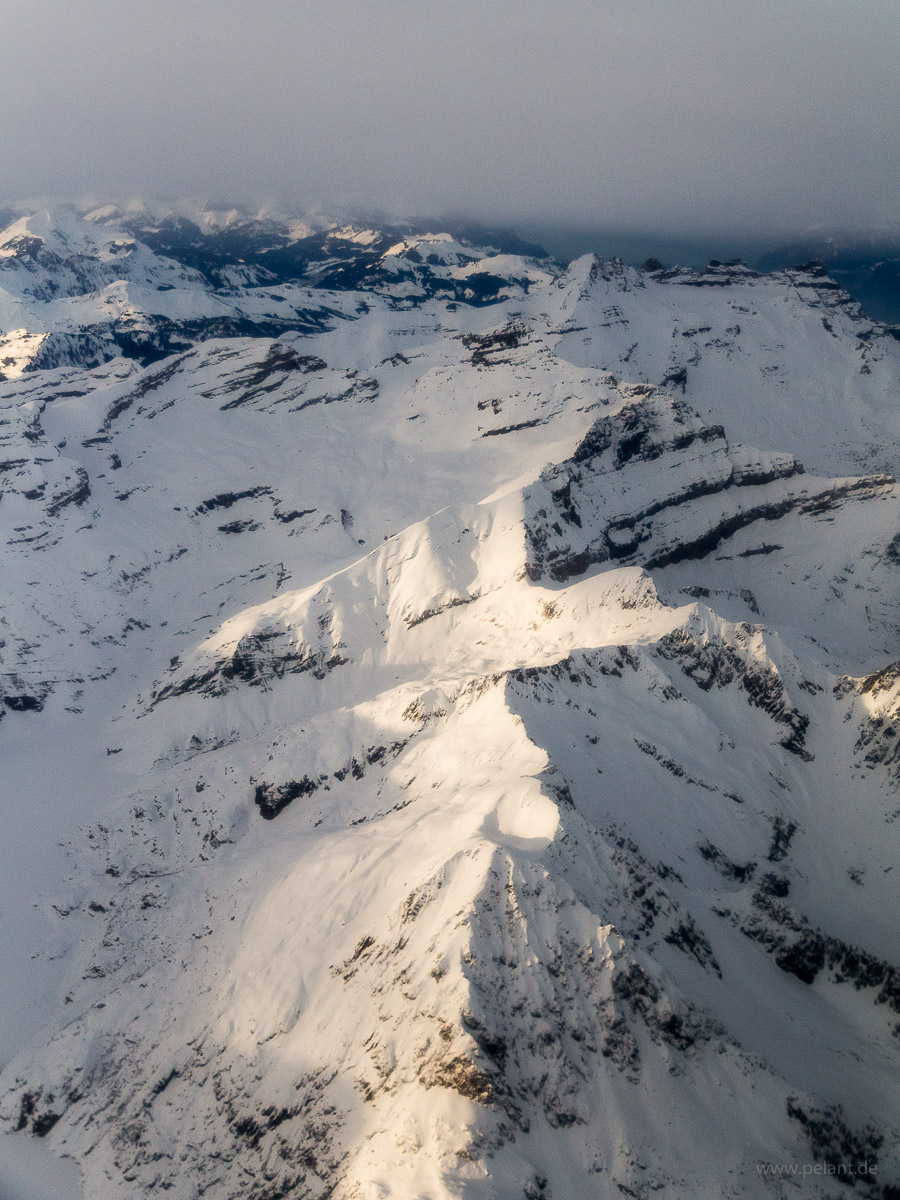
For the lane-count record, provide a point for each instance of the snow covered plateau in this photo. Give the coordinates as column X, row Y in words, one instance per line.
column 449, row 719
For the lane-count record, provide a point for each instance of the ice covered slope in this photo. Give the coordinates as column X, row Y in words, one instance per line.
column 789, row 358
column 483, row 733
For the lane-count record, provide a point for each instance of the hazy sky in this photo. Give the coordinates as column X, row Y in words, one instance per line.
column 679, row 114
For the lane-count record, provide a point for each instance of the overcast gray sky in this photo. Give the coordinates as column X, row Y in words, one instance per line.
column 679, row 114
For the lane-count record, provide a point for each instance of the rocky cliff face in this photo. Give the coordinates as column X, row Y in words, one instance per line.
column 486, row 772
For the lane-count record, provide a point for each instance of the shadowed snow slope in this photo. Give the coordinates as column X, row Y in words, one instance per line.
column 471, row 719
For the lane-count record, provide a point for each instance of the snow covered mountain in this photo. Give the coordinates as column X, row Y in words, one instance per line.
column 467, row 691
column 78, row 290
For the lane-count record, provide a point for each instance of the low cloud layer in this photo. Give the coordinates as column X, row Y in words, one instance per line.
column 684, row 115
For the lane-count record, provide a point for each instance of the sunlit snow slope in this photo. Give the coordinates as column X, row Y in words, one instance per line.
column 469, row 711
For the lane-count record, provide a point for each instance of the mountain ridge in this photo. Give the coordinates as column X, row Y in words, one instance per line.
column 489, row 779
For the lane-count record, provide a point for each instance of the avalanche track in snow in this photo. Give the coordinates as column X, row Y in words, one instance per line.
column 467, row 694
